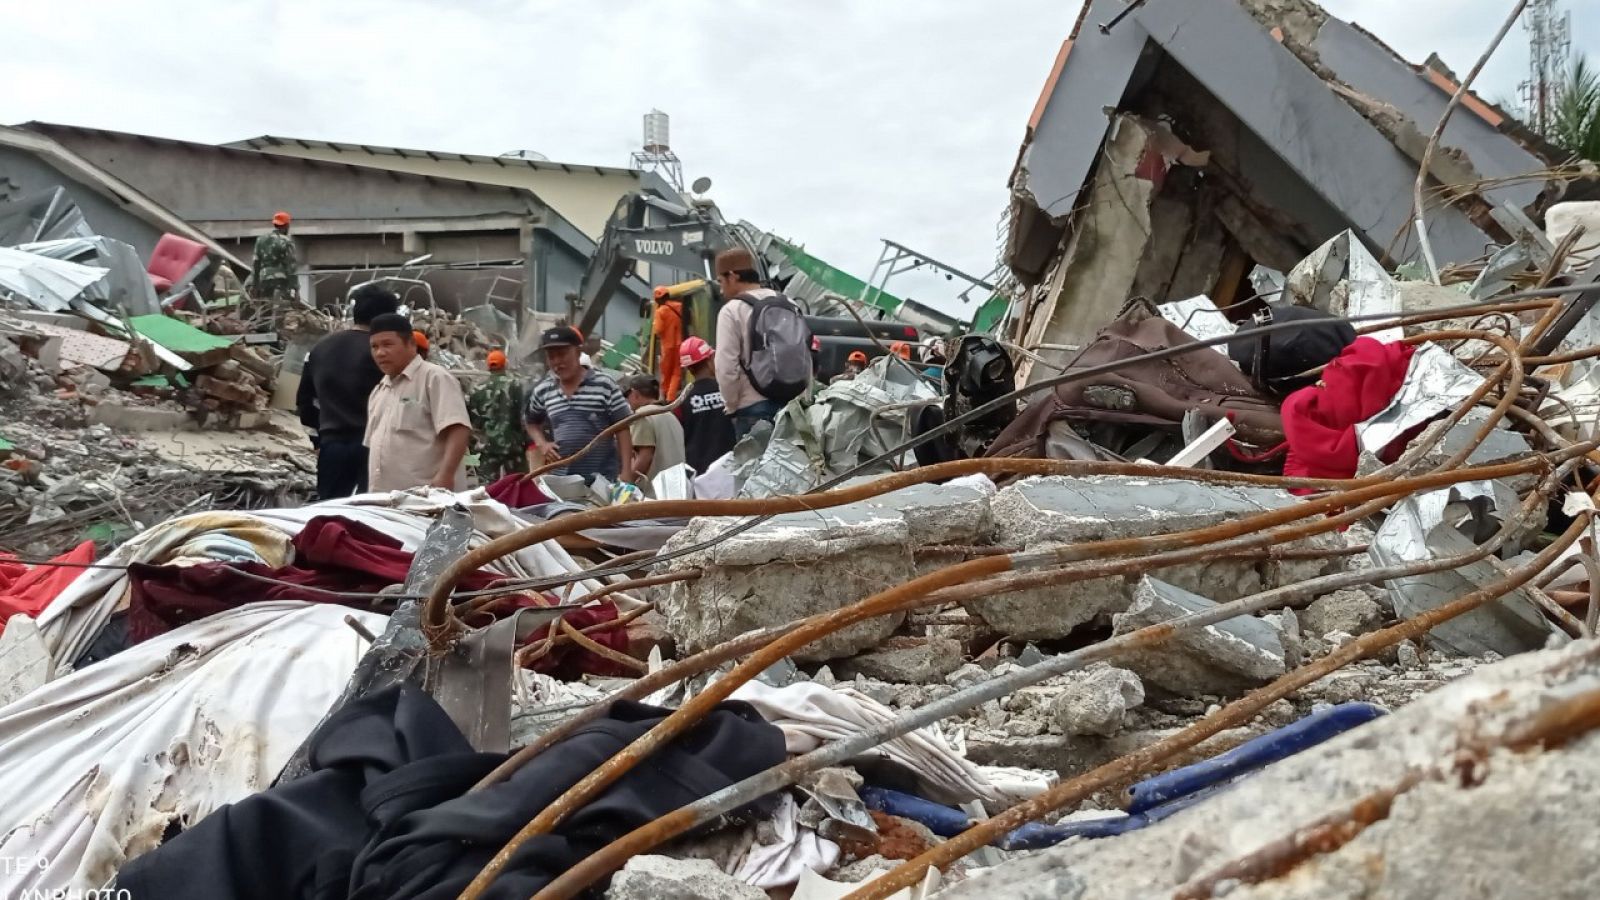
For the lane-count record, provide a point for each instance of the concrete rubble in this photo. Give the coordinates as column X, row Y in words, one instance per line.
column 1039, row 512
column 1221, row 660
column 1399, row 704
column 665, row 878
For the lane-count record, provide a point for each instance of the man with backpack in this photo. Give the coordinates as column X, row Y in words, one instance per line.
column 763, row 356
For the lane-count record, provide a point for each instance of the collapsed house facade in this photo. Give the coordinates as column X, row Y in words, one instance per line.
column 487, row 242
column 1173, row 152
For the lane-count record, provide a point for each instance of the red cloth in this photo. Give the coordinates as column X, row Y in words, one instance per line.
column 1320, row 421
column 27, row 590
column 335, row 554
column 516, row 491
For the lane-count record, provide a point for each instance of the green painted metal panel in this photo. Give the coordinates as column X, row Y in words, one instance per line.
column 178, row 336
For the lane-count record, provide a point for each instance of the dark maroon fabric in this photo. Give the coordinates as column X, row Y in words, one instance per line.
column 518, row 490
column 333, row 554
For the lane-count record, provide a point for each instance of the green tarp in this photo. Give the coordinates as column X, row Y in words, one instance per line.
column 178, row 336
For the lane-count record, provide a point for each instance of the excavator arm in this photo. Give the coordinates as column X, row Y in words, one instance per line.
column 688, row 240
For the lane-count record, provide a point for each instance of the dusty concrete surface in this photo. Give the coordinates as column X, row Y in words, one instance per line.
column 1436, row 840
column 665, row 878
column 787, row 569
column 1096, row 700
column 1054, row 510
column 1227, row 658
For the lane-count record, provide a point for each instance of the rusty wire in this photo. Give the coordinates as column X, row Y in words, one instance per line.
column 1241, row 710
column 1544, row 298
column 955, row 575
column 436, row 616
column 641, row 840
column 1193, row 544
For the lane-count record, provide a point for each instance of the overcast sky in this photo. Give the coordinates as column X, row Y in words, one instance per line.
column 833, row 123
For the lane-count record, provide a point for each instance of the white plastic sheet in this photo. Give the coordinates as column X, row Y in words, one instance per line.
column 73, row 619
column 97, row 764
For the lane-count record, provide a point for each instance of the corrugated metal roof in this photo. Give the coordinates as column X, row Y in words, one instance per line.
column 268, row 143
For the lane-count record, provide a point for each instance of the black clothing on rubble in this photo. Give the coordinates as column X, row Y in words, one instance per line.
column 338, row 377
column 384, row 811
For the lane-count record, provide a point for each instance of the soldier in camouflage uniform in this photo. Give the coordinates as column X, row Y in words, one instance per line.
column 496, row 411
column 275, row 265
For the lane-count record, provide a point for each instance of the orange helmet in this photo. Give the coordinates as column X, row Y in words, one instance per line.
column 899, row 348
column 496, row 360
column 421, row 340
column 280, row 218
column 693, row 351
column 857, row 356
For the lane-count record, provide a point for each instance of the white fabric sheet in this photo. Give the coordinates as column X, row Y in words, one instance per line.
column 98, row 762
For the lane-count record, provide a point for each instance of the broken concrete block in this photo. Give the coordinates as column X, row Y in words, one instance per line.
column 1351, row 612
column 1096, row 699
column 1420, row 849
column 1058, row 510
column 1224, row 659
column 800, row 564
column 954, row 513
column 925, row 662
column 141, row 418
column 665, row 878
column 791, row 567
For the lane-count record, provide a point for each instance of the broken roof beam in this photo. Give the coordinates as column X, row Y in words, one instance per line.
column 1326, row 142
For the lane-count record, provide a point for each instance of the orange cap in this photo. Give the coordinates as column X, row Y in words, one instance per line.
column 280, row 218
column 900, row 349
column 421, row 339
column 857, row 356
column 497, row 360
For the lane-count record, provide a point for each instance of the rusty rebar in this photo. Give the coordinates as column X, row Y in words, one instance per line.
column 638, row 689
column 1132, row 765
column 641, row 840
column 1510, row 369
column 436, row 612
column 601, row 650
column 1198, row 541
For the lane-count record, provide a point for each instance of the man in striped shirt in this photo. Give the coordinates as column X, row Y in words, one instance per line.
column 569, row 408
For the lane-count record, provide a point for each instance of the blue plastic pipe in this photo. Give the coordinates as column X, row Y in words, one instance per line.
column 1154, row 798
column 1250, row 755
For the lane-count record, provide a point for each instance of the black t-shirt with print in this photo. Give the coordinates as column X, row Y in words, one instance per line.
column 707, row 429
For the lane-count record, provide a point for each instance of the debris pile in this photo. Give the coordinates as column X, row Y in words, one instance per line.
column 1237, row 517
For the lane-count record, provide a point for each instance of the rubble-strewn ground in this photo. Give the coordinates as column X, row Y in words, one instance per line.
column 81, row 481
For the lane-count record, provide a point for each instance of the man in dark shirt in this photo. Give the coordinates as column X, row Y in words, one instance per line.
column 569, row 408
column 707, row 430
column 338, row 377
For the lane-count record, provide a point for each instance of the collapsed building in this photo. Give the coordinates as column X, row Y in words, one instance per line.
column 1173, row 153
column 1154, row 621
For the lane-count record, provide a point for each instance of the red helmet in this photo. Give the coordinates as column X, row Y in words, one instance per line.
column 694, row 351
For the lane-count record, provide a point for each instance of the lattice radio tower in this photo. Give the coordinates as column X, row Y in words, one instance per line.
column 1549, row 48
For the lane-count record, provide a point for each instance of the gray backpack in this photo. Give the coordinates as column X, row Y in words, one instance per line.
column 779, row 345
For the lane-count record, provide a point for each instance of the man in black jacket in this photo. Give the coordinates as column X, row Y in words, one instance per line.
column 338, row 376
